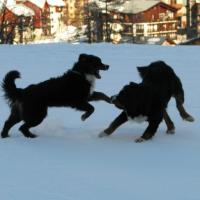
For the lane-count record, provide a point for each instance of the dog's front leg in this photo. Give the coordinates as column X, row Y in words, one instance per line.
column 96, row 96
column 121, row 119
column 88, row 108
column 150, row 131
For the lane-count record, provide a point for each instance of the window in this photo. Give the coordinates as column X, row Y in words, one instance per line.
column 161, row 16
column 58, row 9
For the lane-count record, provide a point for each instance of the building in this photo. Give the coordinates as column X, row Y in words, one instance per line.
column 75, row 12
column 195, row 13
column 181, row 11
column 193, row 41
column 55, row 9
column 15, row 22
column 145, row 19
column 48, row 15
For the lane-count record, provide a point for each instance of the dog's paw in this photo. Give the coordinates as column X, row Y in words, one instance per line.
column 139, row 140
column 102, row 134
column 113, row 98
column 170, row 131
column 189, row 118
column 4, row 136
column 31, row 135
column 84, row 117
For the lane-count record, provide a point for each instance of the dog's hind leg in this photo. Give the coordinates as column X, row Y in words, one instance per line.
column 181, row 109
column 169, row 123
column 27, row 125
column 13, row 119
column 88, row 108
column 32, row 117
column 25, row 130
column 121, row 119
column 150, row 131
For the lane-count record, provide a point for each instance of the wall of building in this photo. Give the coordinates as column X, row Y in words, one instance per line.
column 156, row 13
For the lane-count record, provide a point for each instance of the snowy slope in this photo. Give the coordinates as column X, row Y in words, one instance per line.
column 69, row 162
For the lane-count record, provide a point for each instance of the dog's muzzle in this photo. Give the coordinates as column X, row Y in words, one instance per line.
column 104, row 67
column 116, row 102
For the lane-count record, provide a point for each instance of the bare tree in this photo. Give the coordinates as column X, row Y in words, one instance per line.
column 98, row 18
column 94, row 22
column 7, row 27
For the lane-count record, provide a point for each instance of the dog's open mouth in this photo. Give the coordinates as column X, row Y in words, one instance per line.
column 102, row 67
column 97, row 74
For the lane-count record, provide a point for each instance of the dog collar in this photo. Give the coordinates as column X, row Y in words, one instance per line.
column 75, row 72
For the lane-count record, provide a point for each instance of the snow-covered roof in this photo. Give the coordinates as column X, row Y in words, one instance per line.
column 56, row 2
column 135, row 6
column 17, row 9
column 41, row 3
column 7, row 2
column 21, row 9
column 129, row 6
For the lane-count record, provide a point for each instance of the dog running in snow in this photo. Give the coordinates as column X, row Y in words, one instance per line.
column 147, row 101
column 73, row 89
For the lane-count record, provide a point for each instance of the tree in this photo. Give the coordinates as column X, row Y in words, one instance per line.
column 7, row 27
column 98, row 18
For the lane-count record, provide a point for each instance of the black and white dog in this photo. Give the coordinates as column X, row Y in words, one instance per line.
column 73, row 89
column 148, row 100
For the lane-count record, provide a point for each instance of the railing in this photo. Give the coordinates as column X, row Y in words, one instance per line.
column 150, row 28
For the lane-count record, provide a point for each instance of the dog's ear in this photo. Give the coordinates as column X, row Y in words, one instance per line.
column 82, row 57
column 142, row 71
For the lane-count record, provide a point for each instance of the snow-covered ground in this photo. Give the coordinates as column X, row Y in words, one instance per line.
column 69, row 162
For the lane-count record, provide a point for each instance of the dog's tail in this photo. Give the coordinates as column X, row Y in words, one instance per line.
column 11, row 92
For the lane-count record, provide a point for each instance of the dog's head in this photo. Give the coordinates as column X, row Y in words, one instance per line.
column 143, row 71
column 127, row 97
column 154, row 69
column 134, row 99
column 90, row 65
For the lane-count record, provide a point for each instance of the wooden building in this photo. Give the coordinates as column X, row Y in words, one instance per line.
column 145, row 18
column 195, row 12
column 48, row 15
column 38, row 14
column 75, row 12
column 194, row 41
column 15, row 23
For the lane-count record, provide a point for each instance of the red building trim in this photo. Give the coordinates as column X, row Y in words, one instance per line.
column 37, row 18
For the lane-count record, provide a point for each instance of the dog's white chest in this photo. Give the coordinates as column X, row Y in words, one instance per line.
column 91, row 79
column 138, row 119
